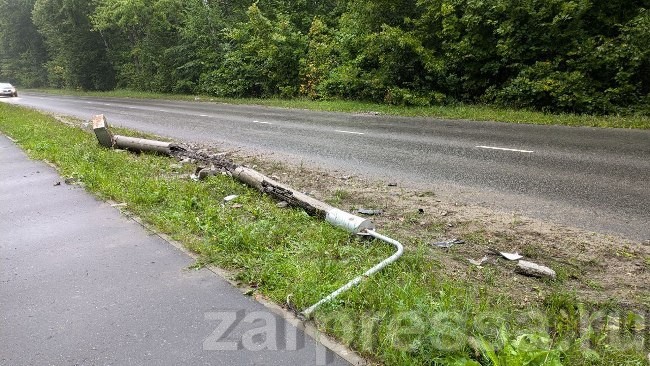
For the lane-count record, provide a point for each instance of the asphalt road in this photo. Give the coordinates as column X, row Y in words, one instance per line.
column 591, row 178
column 82, row 284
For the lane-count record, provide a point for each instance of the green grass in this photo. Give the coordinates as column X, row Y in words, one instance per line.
column 460, row 111
column 411, row 313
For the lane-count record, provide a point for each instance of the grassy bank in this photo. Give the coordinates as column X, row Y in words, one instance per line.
column 469, row 112
column 413, row 312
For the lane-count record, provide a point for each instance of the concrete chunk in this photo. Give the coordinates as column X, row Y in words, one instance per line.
column 103, row 134
column 534, row 270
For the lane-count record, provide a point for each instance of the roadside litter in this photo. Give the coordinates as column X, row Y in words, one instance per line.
column 449, row 243
column 230, row 198
column 370, row 212
column 509, row 256
column 479, row 262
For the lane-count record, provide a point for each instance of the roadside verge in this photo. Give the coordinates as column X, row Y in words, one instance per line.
column 413, row 312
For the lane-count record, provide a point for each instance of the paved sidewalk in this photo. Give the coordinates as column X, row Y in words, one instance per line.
column 80, row 284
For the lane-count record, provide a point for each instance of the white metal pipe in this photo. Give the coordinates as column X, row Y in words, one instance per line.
column 400, row 250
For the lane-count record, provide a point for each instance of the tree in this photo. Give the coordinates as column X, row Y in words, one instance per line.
column 261, row 58
column 22, row 52
column 77, row 54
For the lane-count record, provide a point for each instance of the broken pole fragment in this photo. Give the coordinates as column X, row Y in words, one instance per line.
column 138, row 144
column 107, row 139
column 103, row 134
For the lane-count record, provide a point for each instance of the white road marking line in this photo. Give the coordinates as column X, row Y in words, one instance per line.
column 352, row 132
column 504, row 149
column 107, row 104
column 203, row 115
column 263, row 123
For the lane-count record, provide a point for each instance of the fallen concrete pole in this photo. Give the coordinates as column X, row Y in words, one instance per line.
column 107, row 139
column 312, row 206
column 351, row 223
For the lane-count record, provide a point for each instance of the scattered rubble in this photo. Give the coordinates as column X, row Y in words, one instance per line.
column 534, row 270
column 479, row 262
column 449, row 243
column 370, row 212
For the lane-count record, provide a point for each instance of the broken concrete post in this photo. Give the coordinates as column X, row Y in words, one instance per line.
column 534, row 270
column 294, row 198
column 100, row 127
column 137, row 144
column 107, row 139
column 278, row 190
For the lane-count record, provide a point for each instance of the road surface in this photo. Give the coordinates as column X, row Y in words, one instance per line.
column 591, row 178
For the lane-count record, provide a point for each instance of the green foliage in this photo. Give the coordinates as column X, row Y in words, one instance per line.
column 319, row 60
column 22, row 52
column 577, row 56
column 261, row 58
column 527, row 349
column 77, row 55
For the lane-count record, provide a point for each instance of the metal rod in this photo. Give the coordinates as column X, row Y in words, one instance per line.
column 400, row 250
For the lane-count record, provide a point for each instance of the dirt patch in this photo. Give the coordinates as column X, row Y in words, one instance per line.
column 597, row 268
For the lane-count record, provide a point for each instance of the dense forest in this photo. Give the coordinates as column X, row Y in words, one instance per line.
column 579, row 56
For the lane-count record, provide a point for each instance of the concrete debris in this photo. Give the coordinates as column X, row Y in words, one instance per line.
column 534, row 270
column 479, row 262
column 420, row 211
column 230, row 198
column 119, row 204
column 367, row 211
column 102, row 132
column 175, row 166
column 57, row 184
column 107, row 139
column 282, row 204
column 392, row 184
column 511, row 256
column 207, row 172
column 449, row 243
column 237, row 205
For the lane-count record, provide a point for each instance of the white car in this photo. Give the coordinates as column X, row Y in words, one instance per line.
column 7, row 89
